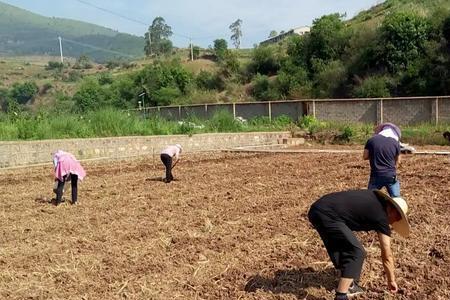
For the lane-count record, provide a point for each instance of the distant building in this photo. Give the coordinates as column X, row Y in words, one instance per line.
column 299, row 31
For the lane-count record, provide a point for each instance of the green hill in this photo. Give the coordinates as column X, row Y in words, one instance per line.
column 423, row 7
column 26, row 33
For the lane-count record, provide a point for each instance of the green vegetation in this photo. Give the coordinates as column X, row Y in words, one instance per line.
column 26, row 33
column 112, row 122
column 157, row 38
column 397, row 48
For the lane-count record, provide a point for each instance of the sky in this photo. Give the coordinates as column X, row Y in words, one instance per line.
column 201, row 20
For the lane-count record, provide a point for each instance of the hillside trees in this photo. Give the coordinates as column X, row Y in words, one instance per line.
column 157, row 38
column 403, row 36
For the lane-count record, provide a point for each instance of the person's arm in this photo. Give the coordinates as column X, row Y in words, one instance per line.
column 397, row 161
column 366, row 154
column 388, row 261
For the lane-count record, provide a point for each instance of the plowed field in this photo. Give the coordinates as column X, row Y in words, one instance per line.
column 231, row 226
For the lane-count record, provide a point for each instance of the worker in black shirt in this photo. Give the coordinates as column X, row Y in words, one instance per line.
column 335, row 216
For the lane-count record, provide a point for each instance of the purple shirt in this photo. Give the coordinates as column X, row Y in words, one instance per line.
column 383, row 152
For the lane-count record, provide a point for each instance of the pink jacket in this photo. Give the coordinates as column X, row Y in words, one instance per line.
column 65, row 163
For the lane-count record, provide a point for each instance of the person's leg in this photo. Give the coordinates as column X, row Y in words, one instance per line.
column 352, row 255
column 318, row 220
column 394, row 188
column 167, row 161
column 374, row 184
column 59, row 191
column 74, row 181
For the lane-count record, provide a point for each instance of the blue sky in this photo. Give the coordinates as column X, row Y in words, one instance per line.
column 202, row 20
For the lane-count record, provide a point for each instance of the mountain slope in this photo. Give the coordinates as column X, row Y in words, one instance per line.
column 424, row 7
column 26, row 33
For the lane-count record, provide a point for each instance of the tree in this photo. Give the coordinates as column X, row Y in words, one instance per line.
column 273, row 33
column 157, row 37
column 220, row 48
column 403, row 36
column 236, row 31
column 327, row 38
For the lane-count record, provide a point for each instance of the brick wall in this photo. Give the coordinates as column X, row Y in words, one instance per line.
column 35, row 152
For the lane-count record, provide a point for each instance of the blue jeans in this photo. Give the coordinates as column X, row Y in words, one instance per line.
column 391, row 183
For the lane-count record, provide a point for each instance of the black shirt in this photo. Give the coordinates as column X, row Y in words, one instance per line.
column 382, row 153
column 360, row 210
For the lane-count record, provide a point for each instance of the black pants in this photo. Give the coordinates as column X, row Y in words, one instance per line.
column 167, row 161
column 344, row 249
column 59, row 190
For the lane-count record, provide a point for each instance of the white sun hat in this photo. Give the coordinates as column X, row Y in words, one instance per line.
column 402, row 226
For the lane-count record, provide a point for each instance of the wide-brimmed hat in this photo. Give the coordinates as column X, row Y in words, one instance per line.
column 402, row 226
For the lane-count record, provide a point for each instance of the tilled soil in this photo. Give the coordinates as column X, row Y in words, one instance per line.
column 231, row 226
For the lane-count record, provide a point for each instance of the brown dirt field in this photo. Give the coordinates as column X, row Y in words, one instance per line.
column 233, row 226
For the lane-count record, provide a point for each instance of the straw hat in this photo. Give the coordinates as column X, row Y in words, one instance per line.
column 401, row 227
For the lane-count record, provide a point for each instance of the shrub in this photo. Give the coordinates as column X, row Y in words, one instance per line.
column 91, row 96
column 263, row 90
column 223, row 121
column 54, row 65
column 105, row 78
column 208, row 81
column 24, row 92
column 264, row 61
column 376, row 86
column 166, row 95
column 83, row 62
column 195, row 52
column 220, row 48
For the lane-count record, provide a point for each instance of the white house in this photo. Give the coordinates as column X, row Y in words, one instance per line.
column 299, row 31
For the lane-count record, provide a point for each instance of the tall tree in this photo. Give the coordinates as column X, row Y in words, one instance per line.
column 236, row 33
column 157, row 37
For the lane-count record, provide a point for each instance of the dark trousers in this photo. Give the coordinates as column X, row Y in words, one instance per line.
column 344, row 249
column 167, row 161
column 59, row 190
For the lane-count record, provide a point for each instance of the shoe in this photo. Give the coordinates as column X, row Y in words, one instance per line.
column 341, row 297
column 355, row 289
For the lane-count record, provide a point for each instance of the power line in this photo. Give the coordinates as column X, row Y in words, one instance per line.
column 113, row 13
column 135, row 20
column 98, row 48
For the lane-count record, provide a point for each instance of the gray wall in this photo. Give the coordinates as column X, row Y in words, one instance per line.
column 402, row 111
column 35, row 152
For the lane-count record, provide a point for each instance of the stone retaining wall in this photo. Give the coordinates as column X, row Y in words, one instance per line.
column 13, row 154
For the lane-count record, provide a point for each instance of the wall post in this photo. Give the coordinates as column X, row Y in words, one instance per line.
column 270, row 111
column 436, row 110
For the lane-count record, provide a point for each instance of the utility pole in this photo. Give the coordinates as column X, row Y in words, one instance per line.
column 60, row 49
column 192, row 50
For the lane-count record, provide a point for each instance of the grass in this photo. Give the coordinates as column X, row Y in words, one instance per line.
column 111, row 122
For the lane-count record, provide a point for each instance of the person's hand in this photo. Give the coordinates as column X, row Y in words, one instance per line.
column 393, row 287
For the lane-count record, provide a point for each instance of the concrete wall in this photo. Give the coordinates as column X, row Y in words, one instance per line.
column 402, row 111
column 35, row 152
